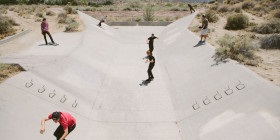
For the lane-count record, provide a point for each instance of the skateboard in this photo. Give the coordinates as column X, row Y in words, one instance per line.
column 54, row 44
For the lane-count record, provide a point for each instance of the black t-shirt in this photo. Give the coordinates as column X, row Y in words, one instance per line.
column 150, row 57
column 205, row 22
column 151, row 39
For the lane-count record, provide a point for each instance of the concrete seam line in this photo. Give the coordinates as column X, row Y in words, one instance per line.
column 14, row 36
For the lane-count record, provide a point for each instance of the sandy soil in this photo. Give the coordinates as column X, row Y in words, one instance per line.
column 268, row 68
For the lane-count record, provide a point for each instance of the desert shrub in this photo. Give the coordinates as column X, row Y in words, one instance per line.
column 248, row 5
column 272, row 26
column 69, row 10
column 50, row 13
column 174, row 9
column 62, row 17
column 127, row 9
column 73, row 26
column 168, row 4
column 277, row 14
column 211, row 16
column 271, row 42
column 5, row 25
column 237, row 22
column 237, row 48
column 138, row 19
column 214, row 7
column 236, row 9
column 39, row 14
column 148, row 14
column 134, row 4
column 235, row 1
column 223, row 9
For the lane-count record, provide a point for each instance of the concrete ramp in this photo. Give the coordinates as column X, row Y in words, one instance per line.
column 95, row 75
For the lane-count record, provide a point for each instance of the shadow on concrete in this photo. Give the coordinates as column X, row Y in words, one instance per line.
column 219, row 60
column 145, row 83
column 199, row 43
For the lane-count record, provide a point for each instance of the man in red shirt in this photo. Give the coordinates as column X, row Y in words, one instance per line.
column 66, row 121
column 45, row 30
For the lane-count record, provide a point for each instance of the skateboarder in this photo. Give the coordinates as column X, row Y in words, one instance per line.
column 45, row 30
column 66, row 121
column 102, row 20
column 191, row 8
column 150, row 41
column 204, row 28
column 151, row 60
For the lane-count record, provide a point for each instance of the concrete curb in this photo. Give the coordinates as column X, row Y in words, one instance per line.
column 10, row 38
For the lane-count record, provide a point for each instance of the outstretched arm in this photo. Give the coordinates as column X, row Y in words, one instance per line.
column 65, row 134
column 42, row 130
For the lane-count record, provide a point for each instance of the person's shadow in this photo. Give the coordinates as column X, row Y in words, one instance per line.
column 199, row 43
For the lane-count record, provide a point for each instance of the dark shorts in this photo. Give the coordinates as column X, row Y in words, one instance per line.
column 59, row 131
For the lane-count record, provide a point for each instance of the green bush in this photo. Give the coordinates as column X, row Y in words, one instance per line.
column 211, row 16
column 237, row 48
column 272, row 26
column 271, row 42
column 148, row 14
column 237, row 22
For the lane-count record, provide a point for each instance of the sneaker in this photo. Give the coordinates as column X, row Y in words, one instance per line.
column 152, row 78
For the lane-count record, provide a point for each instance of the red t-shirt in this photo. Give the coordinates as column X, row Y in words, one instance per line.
column 65, row 120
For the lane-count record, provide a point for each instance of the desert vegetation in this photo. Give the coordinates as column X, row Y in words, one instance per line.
column 8, row 70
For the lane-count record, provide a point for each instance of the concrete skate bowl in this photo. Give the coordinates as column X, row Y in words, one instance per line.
column 95, row 75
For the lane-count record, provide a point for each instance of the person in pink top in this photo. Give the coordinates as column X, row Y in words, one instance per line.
column 45, row 30
column 66, row 121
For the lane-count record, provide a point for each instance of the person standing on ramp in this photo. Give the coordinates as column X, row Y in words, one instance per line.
column 151, row 60
column 45, row 30
column 150, row 41
column 191, row 8
column 102, row 20
column 66, row 121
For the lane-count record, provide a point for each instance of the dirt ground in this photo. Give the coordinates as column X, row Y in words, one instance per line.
column 268, row 68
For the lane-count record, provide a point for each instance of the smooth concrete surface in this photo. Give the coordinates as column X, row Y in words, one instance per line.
column 95, row 76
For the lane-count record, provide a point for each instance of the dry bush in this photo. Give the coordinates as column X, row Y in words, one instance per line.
column 237, row 22
column 271, row 42
column 248, row 5
column 73, row 26
column 39, row 14
column 237, row 48
column 214, row 7
column 211, row 16
column 223, row 9
column 61, row 17
column 50, row 13
column 272, row 26
column 8, row 70
column 235, row 1
column 236, row 8
column 6, row 25
column 69, row 10
column 277, row 14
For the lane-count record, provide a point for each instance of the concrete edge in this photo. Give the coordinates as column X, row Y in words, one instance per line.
column 10, row 38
